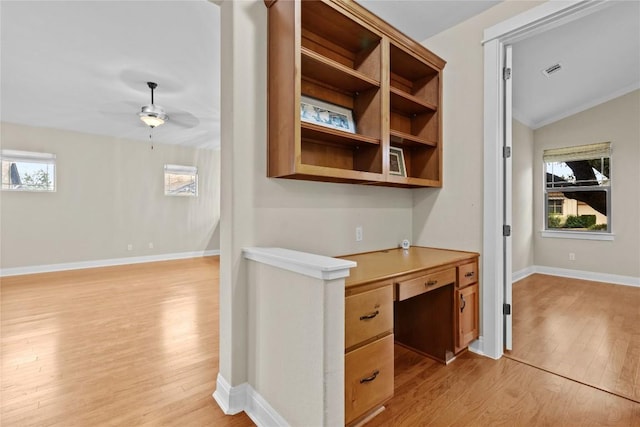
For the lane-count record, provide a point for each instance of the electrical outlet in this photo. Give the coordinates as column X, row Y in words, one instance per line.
column 359, row 233
column 572, row 256
column 150, row 245
column 129, row 247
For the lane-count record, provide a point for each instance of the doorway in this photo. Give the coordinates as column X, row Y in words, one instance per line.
column 497, row 273
column 499, row 49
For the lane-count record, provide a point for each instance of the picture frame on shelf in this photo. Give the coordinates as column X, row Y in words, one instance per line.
column 325, row 114
column 396, row 162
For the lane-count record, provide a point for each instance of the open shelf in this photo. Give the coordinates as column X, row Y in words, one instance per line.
column 339, row 54
column 333, row 35
column 334, row 74
column 413, row 76
column 401, row 139
column 318, row 133
column 409, row 104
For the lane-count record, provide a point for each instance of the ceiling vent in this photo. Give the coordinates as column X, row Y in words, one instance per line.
column 552, row 69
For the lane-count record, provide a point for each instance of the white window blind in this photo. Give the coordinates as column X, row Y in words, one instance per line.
column 180, row 180
column 28, row 171
column 27, row 156
column 181, row 170
column 579, row 152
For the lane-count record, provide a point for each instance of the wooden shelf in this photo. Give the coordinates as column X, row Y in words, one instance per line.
column 402, row 139
column 323, row 134
column 339, row 53
column 409, row 104
column 334, row 74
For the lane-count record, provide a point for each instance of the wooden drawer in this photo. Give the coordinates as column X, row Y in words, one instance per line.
column 467, row 274
column 368, row 378
column 420, row 285
column 368, row 315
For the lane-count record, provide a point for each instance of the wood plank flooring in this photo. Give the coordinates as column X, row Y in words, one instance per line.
column 477, row 391
column 121, row 346
column 138, row 345
column 586, row 331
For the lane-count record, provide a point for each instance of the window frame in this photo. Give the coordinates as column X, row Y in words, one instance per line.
column 34, row 157
column 174, row 169
column 569, row 233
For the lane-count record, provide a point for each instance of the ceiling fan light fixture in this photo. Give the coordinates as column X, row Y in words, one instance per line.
column 153, row 115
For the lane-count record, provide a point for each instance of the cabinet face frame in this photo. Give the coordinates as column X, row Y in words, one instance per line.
column 297, row 37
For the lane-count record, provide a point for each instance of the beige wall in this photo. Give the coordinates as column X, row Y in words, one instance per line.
column 452, row 217
column 109, row 193
column 615, row 121
column 522, row 197
column 259, row 211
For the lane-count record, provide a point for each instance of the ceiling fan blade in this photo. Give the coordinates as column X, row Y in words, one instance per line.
column 183, row 119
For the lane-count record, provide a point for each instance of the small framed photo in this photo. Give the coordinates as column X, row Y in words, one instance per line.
column 327, row 115
column 396, row 162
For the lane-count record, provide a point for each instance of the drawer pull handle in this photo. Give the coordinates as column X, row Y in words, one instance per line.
column 431, row 283
column 463, row 303
column 370, row 316
column 371, row 378
column 469, row 274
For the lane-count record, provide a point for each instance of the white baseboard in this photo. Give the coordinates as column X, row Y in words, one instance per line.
column 15, row 271
column 578, row 274
column 261, row 413
column 477, row 347
column 525, row 272
column 233, row 400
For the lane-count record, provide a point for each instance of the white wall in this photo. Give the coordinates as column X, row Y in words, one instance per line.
column 109, row 193
column 452, row 217
column 615, row 121
column 296, row 344
column 259, row 211
column 522, row 197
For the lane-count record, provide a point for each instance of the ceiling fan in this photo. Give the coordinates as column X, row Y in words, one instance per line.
column 129, row 113
column 152, row 115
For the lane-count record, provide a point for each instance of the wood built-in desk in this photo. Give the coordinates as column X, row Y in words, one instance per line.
column 425, row 299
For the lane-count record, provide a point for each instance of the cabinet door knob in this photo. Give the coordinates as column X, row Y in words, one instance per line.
column 371, row 378
column 370, row 315
column 469, row 274
column 431, row 283
column 463, row 303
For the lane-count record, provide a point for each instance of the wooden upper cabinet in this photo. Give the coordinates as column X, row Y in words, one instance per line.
column 336, row 53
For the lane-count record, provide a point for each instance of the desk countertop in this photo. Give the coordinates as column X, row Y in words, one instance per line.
column 386, row 264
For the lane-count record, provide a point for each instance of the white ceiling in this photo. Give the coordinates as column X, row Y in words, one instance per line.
column 600, row 58
column 83, row 65
column 421, row 19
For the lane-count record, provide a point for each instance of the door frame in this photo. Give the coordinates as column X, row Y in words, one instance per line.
column 534, row 21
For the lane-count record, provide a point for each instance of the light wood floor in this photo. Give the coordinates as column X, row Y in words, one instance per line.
column 138, row 345
column 121, row 346
column 587, row 331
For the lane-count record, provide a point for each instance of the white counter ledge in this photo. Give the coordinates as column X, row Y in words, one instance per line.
column 312, row 265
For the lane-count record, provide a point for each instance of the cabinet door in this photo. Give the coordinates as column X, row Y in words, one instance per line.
column 467, row 315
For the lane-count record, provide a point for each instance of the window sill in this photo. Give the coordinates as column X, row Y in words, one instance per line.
column 581, row 235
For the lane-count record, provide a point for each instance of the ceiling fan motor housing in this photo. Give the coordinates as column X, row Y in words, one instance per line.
column 153, row 115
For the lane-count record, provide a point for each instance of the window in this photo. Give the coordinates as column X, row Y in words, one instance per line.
column 180, row 180
column 555, row 205
column 28, row 171
column 578, row 188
